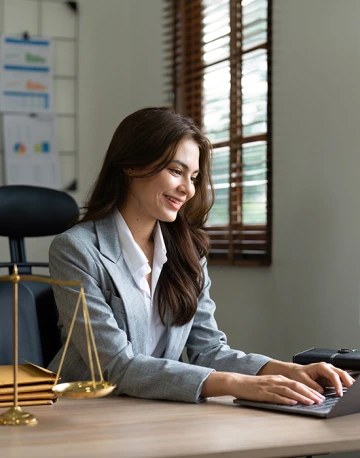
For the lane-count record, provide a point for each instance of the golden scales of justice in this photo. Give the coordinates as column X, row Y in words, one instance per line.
column 80, row 390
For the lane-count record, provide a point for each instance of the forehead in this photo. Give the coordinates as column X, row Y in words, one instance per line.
column 188, row 153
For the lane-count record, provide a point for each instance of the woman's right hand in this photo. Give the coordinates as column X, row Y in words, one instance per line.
column 266, row 388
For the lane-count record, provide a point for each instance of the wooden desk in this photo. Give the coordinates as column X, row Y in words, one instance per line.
column 127, row 428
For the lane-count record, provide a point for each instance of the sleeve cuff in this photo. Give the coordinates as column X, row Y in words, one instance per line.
column 199, row 398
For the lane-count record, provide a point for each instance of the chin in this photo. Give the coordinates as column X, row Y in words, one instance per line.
column 168, row 218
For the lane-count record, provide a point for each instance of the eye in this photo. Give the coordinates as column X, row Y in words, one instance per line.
column 194, row 180
column 176, row 171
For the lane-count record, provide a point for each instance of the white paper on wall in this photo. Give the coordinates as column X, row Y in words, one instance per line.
column 26, row 75
column 30, row 150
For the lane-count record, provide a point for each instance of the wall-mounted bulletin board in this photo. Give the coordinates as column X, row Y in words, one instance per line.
column 57, row 21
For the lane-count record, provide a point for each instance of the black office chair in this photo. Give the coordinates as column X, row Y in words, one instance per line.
column 31, row 211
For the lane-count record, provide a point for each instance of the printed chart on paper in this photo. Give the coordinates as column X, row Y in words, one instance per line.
column 26, row 75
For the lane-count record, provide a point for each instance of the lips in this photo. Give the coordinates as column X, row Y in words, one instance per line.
column 175, row 203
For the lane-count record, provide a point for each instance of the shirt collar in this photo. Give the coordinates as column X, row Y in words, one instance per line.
column 133, row 254
column 159, row 245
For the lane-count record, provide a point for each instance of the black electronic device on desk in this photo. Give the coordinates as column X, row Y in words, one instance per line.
column 344, row 358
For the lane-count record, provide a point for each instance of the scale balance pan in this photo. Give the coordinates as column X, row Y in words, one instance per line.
column 81, row 390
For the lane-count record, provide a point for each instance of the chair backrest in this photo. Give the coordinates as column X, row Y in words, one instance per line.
column 31, row 211
column 28, row 328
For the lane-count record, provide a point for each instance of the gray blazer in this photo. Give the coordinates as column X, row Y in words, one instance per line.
column 91, row 251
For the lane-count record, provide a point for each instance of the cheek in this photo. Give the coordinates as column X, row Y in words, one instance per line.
column 161, row 184
column 147, row 187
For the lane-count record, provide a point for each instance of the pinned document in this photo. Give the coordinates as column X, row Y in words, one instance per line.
column 26, row 75
column 30, row 150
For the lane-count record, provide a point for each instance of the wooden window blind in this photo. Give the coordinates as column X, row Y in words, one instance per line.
column 219, row 73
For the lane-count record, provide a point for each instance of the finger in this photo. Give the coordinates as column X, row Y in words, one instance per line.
column 279, row 399
column 305, row 389
column 311, row 394
column 345, row 378
column 353, row 373
column 331, row 373
column 300, row 393
column 284, row 395
column 313, row 384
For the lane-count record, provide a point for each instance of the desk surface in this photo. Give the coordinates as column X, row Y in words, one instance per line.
column 129, row 427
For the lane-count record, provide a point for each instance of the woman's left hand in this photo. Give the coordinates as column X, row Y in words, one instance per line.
column 319, row 375
column 315, row 376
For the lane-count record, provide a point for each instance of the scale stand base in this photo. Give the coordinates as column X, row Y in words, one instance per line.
column 16, row 417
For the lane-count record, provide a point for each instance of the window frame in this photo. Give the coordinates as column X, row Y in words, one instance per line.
column 235, row 243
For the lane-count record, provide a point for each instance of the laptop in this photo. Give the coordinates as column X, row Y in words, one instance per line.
column 332, row 406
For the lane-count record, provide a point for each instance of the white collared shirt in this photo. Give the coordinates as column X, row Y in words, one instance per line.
column 139, row 267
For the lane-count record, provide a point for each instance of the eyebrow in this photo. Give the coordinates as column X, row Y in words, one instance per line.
column 183, row 165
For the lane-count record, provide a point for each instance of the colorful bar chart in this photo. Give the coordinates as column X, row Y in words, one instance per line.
column 26, row 75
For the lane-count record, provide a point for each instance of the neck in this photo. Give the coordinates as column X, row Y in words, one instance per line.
column 142, row 230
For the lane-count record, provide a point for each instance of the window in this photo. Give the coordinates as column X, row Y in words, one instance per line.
column 218, row 57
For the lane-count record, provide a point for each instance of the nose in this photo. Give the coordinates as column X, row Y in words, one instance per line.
column 187, row 187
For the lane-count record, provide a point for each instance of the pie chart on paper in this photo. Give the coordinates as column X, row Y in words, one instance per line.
column 19, row 148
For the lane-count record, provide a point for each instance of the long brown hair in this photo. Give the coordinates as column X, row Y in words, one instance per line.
column 149, row 138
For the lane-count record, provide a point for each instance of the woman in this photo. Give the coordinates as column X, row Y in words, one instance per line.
column 141, row 251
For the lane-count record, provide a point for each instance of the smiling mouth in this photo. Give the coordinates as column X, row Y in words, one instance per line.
column 174, row 202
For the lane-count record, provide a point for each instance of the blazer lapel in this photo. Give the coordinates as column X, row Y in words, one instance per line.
column 135, row 307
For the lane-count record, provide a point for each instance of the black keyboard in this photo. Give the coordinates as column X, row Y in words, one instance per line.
column 321, row 410
column 325, row 407
column 331, row 398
